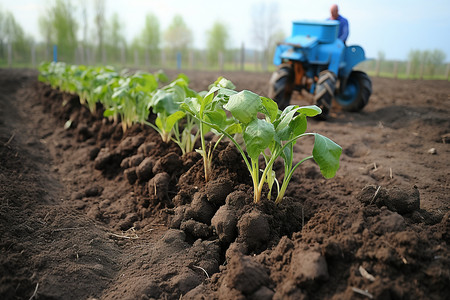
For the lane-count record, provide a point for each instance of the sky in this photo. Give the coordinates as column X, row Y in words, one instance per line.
column 392, row 26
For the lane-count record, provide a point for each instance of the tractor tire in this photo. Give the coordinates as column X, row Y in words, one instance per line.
column 324, row 94
column 282, row 85
column 357, row 92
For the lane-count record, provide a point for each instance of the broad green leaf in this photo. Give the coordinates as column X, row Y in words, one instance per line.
column 163, row 102
column 270, row 108
column 258, row 135
column 310, row 111
column 284, row 132
column 225, row 83
column 244, row 106
column 326, row 153
column 205, row 102
column 223, row 95
column 234, row 128
column 226, row 92
column 212, row 90
column 189, row 92
column 192, row 105
column 222, row 83
column 172, row 119
column 217, row 117
column 298, row 125
column 288, row 109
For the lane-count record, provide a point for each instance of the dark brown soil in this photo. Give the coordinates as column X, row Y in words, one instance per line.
column 89, row 212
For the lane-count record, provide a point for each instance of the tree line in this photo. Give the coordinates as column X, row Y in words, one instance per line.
column 83, row 34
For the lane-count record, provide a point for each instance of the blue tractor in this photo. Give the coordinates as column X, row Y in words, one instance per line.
column 315, row 60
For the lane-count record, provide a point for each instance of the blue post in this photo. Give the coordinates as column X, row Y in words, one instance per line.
column 179, row 60
column 55, row 53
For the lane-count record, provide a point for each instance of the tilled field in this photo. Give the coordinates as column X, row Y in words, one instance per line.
column 90, row 212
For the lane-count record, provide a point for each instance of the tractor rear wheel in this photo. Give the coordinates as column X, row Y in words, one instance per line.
column 282, row 85
column 325, row 92
column 356, row 93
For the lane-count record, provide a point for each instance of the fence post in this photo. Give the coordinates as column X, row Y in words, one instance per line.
column 136, row 58
column 242, row 56
column 408, row 69
column 221, row 61
column 422, row 69
column 396, row 69
column 178, row 60
column 33, row 55
column 55, row 53
column 9, row 55
column 447, row 72
column 377, row 68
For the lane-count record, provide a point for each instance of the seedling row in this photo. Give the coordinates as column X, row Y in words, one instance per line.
column 185, row 116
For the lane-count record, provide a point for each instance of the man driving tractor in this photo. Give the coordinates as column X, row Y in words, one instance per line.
column 343, row 23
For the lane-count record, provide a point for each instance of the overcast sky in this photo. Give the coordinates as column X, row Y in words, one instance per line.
column 392, row 26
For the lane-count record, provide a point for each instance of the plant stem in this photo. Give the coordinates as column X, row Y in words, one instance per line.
column 264, row 174
column 287, row 179
column 255, row 178
column 206, row 165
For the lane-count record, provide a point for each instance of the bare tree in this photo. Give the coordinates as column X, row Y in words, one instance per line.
column 60, row 25
column 437, row 58
column 380, row 60
column 150, row 37
column 45, row 28
column 115, row 38
column 414, row 61
column 100, row 22
column 266, row 28
column 178, row 37
column 217, row 41
column 12, row 35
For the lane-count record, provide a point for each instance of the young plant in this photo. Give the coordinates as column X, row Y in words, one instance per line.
column 273, row 137
column 207, row 109
column 166, row 104
column 131, row 99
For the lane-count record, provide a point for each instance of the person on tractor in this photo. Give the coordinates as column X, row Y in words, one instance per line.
column 343, row 23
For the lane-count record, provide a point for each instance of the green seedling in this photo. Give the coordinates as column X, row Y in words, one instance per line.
column 131, row 99
column 274, row 137
column 207, row 109
column 166, row 104
column 271, row 137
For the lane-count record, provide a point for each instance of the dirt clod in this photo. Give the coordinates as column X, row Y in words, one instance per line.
column 403, row 201
column 225, row 223
column 144, row 170
column 254, row 229
column 245, row 275
column 217, row 190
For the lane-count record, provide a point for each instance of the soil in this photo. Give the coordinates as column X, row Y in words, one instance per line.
column 88, row 212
